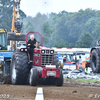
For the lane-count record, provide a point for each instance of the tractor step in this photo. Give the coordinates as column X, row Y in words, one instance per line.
column 30, row 62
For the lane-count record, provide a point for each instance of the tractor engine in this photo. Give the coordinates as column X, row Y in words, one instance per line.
column 43, row 57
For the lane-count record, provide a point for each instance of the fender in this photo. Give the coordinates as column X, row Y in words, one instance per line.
column 97, row 48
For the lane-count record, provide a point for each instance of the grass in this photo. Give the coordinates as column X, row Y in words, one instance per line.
column 87, row 80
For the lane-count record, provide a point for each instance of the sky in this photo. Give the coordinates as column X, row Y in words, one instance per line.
column 32, row 7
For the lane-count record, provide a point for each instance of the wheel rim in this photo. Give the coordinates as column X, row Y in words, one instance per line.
column 13, row 72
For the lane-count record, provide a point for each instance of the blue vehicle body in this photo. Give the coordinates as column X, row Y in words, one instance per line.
column 6, row 54
column 5, row 58
column 60, row 58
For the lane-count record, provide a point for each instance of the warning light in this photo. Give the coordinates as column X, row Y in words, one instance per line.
column 2, row 31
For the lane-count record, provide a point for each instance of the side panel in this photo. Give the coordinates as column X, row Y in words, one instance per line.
column 36, row 60
column 37, row 57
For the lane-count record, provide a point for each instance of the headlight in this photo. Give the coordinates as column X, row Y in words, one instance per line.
column 42, row 51
column 52, row 51
column 21, row 49
column 25, row 49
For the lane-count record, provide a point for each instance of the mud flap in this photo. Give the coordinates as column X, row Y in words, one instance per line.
column 14, row 37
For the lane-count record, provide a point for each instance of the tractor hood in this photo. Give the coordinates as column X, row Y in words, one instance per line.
column 43, row 50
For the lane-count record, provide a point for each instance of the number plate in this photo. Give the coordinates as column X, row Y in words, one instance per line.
column 50, row 66
column 51, row 73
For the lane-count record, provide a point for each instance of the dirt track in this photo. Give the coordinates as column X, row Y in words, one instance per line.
column 70, row 90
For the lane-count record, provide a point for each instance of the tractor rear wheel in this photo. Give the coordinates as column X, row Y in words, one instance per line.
column 59, row 81
column 95, row 61
column 33, row 78
column 19, row 68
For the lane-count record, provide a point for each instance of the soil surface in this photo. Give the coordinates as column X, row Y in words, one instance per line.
column 71, row 90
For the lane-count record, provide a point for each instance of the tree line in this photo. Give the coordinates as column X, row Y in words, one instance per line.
column 66, row 29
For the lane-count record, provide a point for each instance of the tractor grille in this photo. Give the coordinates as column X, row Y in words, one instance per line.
column 46, row 59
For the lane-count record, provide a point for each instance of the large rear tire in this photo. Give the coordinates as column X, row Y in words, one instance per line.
column 19, row 68
column 95, row 61
column 33, row 79
column 59, row 81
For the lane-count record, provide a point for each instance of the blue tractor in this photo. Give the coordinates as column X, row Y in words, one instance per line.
column 5, row 55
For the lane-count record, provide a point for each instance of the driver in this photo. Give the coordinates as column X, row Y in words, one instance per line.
column 80, row 60
column 31, row 44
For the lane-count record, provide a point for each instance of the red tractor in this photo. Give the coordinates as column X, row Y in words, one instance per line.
column 44, row 68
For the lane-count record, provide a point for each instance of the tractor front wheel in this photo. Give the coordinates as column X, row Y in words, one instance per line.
column 33, row 78
column 59, row 81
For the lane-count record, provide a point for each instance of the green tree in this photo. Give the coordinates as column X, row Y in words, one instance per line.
column 84, row 41
column 60, row 44
column 6, row 10
column 63, row 44
column 96, row 31
column 69, row 26
column 66, row 27
column 34, row 23
column 28, row 25
column 46, row 32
